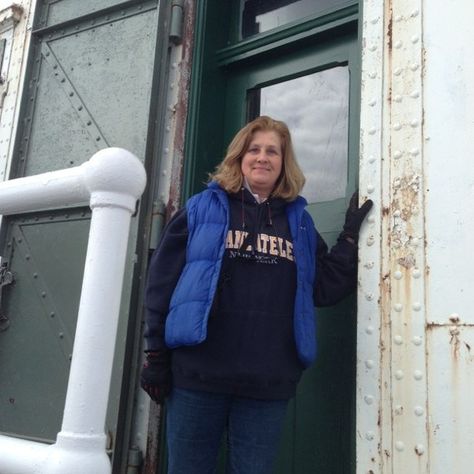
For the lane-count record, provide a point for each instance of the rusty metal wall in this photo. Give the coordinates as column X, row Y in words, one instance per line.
column 449, row 171
column 415, row 336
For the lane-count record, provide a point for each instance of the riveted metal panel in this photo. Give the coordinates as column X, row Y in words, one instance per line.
column 56, row 12
column 393, row 174
column 369, row 325
column 41, row 305
column 451, row 378
column 406, row 238
column 89, row 86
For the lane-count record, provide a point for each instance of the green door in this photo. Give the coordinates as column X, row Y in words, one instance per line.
column 89, row 86
column 313, row 89
column 306, row 74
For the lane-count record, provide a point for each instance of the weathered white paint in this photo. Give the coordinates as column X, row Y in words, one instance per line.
column 417, row 108
column 369, row 293
column 113, row 179
column 15, row 26
column 449, row 170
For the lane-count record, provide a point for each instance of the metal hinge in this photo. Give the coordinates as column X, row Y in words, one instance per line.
column 176, row 21
column 6, row 278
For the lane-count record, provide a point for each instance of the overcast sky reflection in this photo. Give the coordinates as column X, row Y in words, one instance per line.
column 315, row 108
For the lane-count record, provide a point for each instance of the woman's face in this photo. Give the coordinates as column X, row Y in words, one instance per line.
column 262, row 162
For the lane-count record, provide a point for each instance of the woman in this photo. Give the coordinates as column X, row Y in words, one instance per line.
column 230, row 304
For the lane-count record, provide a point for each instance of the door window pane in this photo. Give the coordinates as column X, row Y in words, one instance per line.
column 263, row 15
column 315, row 108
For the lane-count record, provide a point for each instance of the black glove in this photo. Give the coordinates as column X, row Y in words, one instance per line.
column 156, row 375
column 355, row 215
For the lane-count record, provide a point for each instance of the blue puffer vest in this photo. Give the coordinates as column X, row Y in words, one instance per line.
column 208, row 222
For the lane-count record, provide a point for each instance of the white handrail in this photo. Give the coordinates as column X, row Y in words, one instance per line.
column 112, row 181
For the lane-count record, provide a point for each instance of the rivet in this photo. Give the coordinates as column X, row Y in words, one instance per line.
column 418, row 375
column 47, row 53
column 397, row 213
column 369, row 436
column 414, row 13
column 398, row 44
column 372, row 102
column 398, row 307
column 399, row 410
column 414, row 152
column 97, row 139
column 398, row 18
column 43, row 294
column 415, row 39
column 55, row 66
column 88, row 123
column 417, row 340
column 397, row 126
column 399, row 446
column 35, row 275
column 397, row 155
column 20, row 240
column 371, row 219
column 167, row 150
column 63, row 80
column 419, row 449
column 414, row 66
column 416, row 273
column 398, row 340
column 370, row 188
column 374, row 20
column 397, row 71
column 373, row 47
column 369, row 363
column 397, row 98
column 371, row 159
column 372, row 75
column 369, row 399
column 414, row 123
column 399, row 374
column 415, row 94
column 80, row 107
column 415, row 242
column 398, row 275
column 27, row 257
column 71, row 94
column 369, row 296
column 61, row 335
column 370, row 240
column 369, row 265
column 372, row 131
column 419, row 411
column 52, row 315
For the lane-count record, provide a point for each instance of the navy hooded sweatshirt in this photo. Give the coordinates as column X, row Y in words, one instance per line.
column 250, row 348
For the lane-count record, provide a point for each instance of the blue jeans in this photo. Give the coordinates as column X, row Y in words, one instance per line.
column 196, row 421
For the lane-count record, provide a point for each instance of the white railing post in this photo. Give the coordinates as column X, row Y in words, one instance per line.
column 114, row 179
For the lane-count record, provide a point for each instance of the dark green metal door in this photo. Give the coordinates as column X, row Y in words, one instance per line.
column 89, row 86
column 314, row 89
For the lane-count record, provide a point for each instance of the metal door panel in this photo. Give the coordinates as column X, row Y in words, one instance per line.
column 59, row 11
column 89, row 86
column 46, row 255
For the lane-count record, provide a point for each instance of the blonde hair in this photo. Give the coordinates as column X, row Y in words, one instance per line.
column 228, row 173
